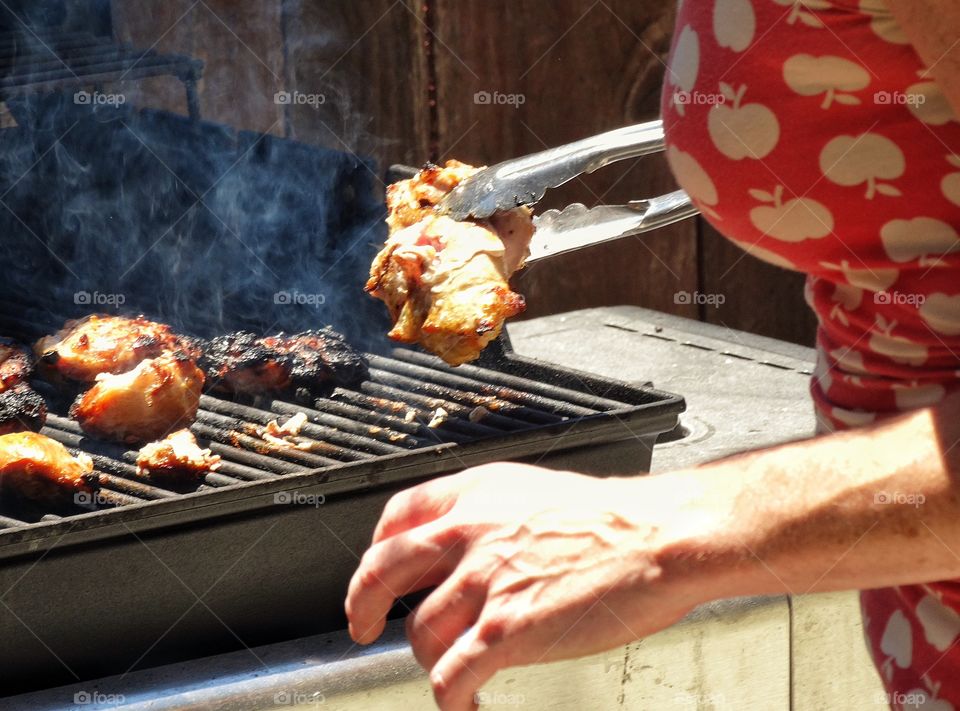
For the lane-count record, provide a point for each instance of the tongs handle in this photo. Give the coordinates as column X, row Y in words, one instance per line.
column 576, row 226
column 590, row 154
column 523, row 181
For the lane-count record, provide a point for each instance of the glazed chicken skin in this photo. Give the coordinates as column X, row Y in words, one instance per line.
column 177, row 459
column 21, row 407
column 245, row 363
column 156, row 397
column 39, row 469
column 98, row 343
column 445, row 283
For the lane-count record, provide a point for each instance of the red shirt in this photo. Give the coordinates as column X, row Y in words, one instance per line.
column 809, row 134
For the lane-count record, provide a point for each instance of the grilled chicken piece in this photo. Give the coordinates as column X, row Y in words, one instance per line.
column 96, row 344
column 178, row 459
column 21, row 408
column 444, row 282
column 314, row 360
column 16, row 363
column 35, row 467
column 156, row 397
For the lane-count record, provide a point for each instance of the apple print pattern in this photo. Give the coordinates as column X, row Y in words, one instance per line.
column 845, row 165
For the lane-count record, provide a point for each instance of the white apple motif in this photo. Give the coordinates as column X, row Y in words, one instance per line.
column 685, row 64
column 923, row 700
column 799, row 11
column 741, row 130
column 897, row 641
column 848, row 295
column 909, row 397
column 867, row 158
column 919, row 238
column 834, row 77
column 791, row 221
column 869, row 279
column 950, row 185
column 883, row 24
column 928, row 104
column 734, row 23
column 896, row 348
column 765, row 255
column 694, row 179
column 854, row 418
column 846, row 298
column 942, row 313
column 941, row 624
column 849, row 360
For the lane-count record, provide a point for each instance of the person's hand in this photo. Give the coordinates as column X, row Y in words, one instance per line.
column 532, row 566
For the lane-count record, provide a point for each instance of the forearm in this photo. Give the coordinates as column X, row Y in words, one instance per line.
column 869, row 508
column 934, row 31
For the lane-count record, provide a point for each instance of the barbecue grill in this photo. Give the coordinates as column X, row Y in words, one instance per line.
column 93, row 197
column 99, row 596
column 36, row 61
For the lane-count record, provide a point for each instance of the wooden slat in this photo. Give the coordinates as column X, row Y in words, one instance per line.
column 580, row 69
column 167, row 27
column 759, row 298
column 241, row 45
column 368, row 60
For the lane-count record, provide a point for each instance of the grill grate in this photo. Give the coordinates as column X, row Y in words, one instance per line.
column 386, row 415
column 49, row 61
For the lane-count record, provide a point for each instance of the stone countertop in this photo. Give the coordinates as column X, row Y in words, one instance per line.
column 742, row 391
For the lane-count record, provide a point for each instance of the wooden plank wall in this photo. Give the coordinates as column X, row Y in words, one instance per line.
column 401, row 79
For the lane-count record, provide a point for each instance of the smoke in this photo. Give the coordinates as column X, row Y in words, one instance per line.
column 104, row 207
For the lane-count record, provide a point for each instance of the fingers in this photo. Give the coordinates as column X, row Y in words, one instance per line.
column 435, row 624
column 399, row 565
column 419, row 505
column 464, row 669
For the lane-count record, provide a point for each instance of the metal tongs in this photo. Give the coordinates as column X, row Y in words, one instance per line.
column 523, row 181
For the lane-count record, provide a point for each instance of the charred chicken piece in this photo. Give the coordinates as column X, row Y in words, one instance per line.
column 16, row 363
column 177, row 459
column 445, row 282
column 21, row 409
column 156, row 397
column 96, row 344
column 314, row 360
column 37, row 468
